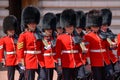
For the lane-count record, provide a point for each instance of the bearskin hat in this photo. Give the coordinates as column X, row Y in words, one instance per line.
column 94, row 18
column 86, row 14
column 49, row 21
column 58, row 20
column 106, row 16
column 81, row 19
column 30, row 14
column 9, row 23
column 68, row 18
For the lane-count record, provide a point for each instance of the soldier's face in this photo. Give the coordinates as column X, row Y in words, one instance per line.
column 95, row 29
column 104, row 28
column 69, row 29
column 59, row 30
column 32, row 26
column 87, row 30
column 10, row 32
column 48, row 32
column 79, row 30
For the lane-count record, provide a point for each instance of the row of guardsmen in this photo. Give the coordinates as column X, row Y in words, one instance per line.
column 61, row 44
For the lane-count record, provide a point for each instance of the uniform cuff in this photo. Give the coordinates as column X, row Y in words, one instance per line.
column 88, row 60
column 59, row 61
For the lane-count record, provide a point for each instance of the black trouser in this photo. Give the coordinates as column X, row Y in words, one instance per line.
column 49, row 73
column 103, row 73
column 116, row 66
column 80, row 73
column 109, row 72
column 30, row 74
column 59, row 72
column 98, row 73
column 11, row 72
column 41, row 73
column 68, row 73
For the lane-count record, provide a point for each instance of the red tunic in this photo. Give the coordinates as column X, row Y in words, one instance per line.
column 31, row 50
column 69, row 53
column 49, row 52
column 97, row 50
column 7, row 45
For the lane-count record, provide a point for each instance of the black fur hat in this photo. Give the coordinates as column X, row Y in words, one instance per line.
column 68, row 18
column 49, row 21
column 58, row 20
column 106, row 17
column 94, row 18
column 9, row 23
column 86, row 26
column 81, row 19
column 30, row 14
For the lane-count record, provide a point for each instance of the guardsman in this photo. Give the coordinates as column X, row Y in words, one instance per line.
column 49, row 41
column 81, row 21
column 8, row 45
column 59, row 31
column 106, row 22
column 68, row 53
column 30, row 46
column 97, row 47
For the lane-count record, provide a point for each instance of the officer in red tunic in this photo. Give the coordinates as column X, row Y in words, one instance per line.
column 49, row 25
column 30, row 46
column 106, row 22
column 8, row 45
column 68, row 53
column 97, row 47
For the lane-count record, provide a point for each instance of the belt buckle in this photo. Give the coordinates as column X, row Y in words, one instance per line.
column 102, row 50
column 71, row 51
column 35, row 52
